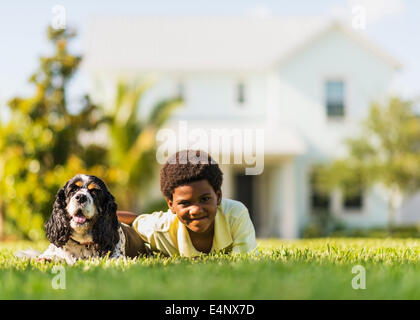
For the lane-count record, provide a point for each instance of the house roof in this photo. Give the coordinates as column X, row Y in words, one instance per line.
column 182, row 44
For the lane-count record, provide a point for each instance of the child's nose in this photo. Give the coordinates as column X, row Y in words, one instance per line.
column 195, row 210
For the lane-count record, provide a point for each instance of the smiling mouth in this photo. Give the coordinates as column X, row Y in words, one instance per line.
column 79, row 218
column 198, row 219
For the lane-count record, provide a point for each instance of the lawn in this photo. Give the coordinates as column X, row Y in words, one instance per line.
column 303, row 269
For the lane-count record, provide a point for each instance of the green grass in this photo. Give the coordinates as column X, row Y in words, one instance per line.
column 305, row 269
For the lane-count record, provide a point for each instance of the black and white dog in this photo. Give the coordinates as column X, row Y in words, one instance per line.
column 84, row 224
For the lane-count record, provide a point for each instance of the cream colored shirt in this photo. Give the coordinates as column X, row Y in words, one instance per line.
column 233, row 231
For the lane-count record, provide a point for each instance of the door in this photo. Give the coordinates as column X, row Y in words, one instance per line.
column 245, row 192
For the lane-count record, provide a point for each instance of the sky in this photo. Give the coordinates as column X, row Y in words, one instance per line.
column 394, row 25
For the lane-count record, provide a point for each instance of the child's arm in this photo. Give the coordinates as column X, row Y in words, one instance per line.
column 126, row 217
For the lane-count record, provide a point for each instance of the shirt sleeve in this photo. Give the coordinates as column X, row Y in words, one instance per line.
column 243, row 234
column 144, row 225
column 154, row 229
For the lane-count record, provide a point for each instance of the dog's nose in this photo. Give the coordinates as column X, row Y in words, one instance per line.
column 81, row 198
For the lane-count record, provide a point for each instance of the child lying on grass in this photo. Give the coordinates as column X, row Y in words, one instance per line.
column 198, row 219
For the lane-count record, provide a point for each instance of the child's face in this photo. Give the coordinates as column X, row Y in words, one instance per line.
column 195, row 205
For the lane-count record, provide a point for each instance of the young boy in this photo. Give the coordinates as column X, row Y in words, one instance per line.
column 198, row 219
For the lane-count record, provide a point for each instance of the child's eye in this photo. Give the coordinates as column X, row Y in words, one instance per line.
column 205, row 199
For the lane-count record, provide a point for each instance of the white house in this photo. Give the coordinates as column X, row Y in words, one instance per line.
column 306, row 83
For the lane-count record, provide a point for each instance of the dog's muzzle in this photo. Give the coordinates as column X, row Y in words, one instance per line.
column 81, row 207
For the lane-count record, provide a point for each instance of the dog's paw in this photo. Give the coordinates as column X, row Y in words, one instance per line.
column 43, row 259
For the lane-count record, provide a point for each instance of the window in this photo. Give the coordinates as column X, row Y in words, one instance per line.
column 353, row 200
column 335, row 99
column 241, row 93
column 181, row 90
column 319, row 201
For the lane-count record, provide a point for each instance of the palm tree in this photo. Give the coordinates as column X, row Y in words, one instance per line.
column 132, row 147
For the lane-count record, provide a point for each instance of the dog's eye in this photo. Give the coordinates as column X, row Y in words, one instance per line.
column 74, row 187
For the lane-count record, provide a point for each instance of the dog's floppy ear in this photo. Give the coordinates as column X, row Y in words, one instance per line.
column 105, row 231
column 58, row 225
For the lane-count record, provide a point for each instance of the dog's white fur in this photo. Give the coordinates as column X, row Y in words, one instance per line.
column 72, row 251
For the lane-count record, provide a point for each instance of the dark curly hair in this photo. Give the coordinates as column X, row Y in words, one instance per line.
column 188, row 166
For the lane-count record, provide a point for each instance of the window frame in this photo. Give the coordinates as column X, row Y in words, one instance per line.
column 237, row 84
column 312, row 209
column 345, row 99
column 347, row 211
column 180, row 89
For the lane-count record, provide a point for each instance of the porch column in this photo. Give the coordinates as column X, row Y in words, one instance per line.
column 288, row 219
column 228, row 184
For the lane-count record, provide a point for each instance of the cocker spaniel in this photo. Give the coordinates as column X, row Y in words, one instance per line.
column 84, row 224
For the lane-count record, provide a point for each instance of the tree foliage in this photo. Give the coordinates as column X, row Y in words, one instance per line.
column 386, row 152
column 40, row 146
column 132, row 147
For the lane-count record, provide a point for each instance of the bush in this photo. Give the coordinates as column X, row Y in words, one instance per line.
column 322, row 224
column 397, row 232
